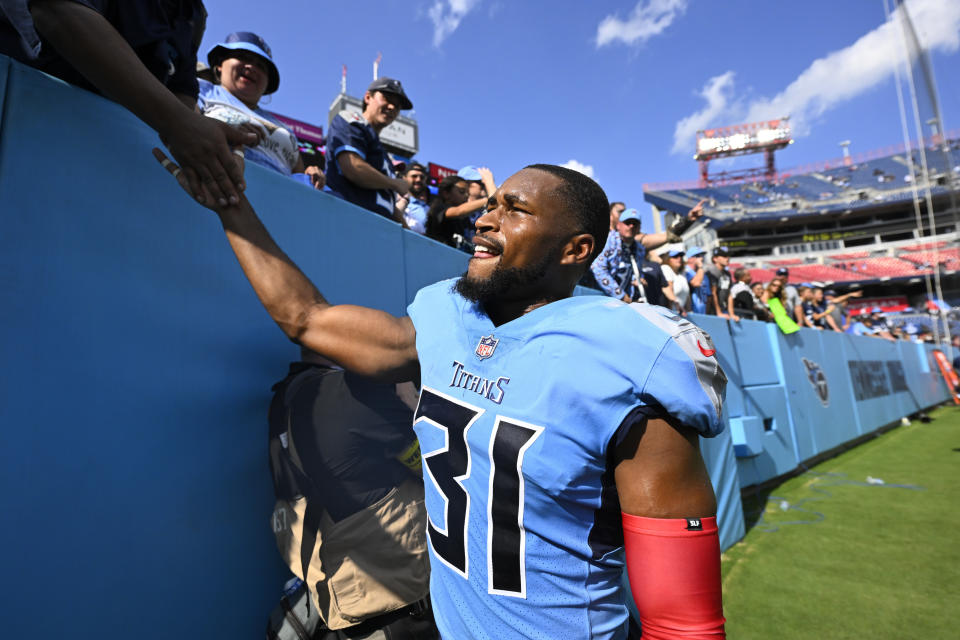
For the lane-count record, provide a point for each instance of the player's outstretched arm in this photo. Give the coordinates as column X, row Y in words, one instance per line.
column 367, row 341
column 670, row 532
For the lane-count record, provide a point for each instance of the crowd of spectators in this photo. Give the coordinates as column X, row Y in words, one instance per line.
column 628, row 269
column 144, row 56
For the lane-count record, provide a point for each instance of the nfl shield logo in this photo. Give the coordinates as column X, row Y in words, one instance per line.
column 486, row 346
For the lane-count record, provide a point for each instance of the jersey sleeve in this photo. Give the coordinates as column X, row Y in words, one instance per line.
column 686, row 380
column 347, row 136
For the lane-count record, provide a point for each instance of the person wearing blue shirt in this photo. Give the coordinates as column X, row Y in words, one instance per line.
column 244, row 72
column 358, row 167
column 416, row 203
column 617, row 268
column 695, row 275
column 625, row 245
column 550, row 459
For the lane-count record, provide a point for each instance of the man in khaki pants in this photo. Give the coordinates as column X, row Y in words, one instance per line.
column 350, row 518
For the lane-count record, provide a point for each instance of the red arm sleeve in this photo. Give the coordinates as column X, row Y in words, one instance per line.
column 674, row 570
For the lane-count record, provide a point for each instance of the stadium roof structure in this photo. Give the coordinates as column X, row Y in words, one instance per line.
column 836, row 186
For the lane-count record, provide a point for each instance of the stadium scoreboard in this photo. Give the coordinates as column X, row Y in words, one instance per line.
column 743, row 139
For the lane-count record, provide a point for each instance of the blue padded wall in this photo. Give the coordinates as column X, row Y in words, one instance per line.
column 139, row 366
column 802, row 389
column 718, row 454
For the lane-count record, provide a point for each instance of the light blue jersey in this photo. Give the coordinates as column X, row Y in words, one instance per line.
column 514, row 424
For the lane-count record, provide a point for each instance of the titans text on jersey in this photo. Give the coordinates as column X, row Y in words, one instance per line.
column 492, row 389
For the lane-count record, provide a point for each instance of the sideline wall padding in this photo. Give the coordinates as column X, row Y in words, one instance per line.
column 830, row 389
column 138, row 371
column 718, row 454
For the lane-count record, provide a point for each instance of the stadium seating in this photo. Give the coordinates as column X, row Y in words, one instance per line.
column 851, row 255
column 762, row 275
column 873, row 268
column 921, row 246
column 949, row 258
column 822, row 273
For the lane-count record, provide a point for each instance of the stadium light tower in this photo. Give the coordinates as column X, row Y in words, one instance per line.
column 741, row 139
column 847, row 160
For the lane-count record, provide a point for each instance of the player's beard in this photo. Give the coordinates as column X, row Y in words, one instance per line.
column 502, row 282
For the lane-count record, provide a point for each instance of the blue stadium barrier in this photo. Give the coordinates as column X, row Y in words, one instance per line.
column 135, row 485
column 793, row 398
column 133, row 477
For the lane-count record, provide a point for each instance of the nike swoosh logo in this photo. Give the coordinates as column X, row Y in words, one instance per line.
column 706, row 352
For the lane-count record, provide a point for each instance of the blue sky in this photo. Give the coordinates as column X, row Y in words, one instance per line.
column 618, row 88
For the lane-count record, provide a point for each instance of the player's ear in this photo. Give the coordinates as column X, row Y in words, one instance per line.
column 578, row 249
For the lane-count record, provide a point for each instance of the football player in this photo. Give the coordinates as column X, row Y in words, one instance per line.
column 556, row 431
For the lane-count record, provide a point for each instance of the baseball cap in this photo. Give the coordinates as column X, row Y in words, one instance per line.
column 783, row 271
column 247, row 41
column 630, row 214
column 390, row 85
column 876, row 310
column 673, row 253
column 414, row 166
column 721, row 251
column 470, row 173
column 830, row 292
column 695, row 251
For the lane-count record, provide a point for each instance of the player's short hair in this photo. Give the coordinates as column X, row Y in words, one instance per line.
column 615, row 203
column 586, row 202
column 740, row 273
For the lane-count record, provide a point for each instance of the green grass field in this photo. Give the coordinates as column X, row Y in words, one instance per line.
column 830, row 555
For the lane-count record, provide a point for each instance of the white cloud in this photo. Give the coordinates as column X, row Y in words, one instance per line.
column 648, row 19
column 446, row 16
column 718, row 92
column 829, row 81
column 576, row 165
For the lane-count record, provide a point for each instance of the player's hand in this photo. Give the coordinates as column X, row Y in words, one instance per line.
column 317, row 179
column 857, row 294
column 696, row 212
column 207, row 199
column 627, row 299
column 400, row 186
column 202, row 146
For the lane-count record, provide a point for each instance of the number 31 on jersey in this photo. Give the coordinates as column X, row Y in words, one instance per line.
column 449, row 466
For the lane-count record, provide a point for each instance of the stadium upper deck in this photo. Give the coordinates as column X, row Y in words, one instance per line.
column 830, row 206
